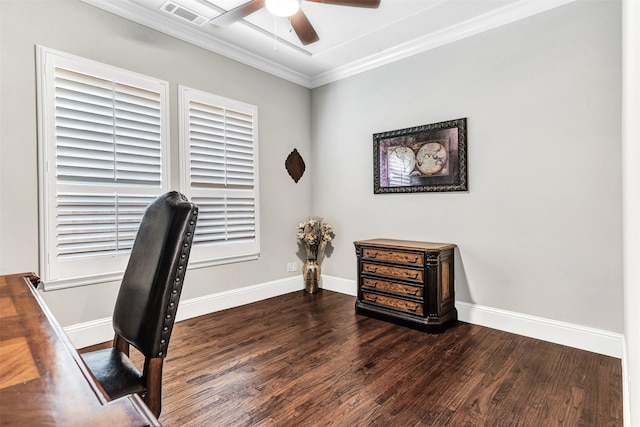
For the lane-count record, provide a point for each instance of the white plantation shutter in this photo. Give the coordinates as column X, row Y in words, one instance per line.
column 93, row 223
column 103, row 150
column 219, row 173
column 106, row 131
column 225, row 219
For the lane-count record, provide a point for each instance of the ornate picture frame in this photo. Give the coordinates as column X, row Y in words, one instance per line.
column 421, row 159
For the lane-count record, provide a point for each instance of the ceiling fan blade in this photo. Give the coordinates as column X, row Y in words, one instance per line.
column 373, row 4
column 229, row 17
column 303, row 28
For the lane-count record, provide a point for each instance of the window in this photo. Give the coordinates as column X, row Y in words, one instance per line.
column 103, row 153
column 219, row 168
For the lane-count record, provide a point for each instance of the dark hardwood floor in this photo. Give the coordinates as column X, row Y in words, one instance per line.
column 309, row 360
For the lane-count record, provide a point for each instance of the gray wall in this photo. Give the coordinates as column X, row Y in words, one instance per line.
column 539, row 232
column 80, row 29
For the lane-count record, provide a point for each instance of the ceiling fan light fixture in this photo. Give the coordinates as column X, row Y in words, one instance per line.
column 282, row 7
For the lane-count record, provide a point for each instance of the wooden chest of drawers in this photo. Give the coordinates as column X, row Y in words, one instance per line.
column 406, row 282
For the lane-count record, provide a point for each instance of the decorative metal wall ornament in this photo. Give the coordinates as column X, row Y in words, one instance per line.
column 423, row 158
column 295, row 165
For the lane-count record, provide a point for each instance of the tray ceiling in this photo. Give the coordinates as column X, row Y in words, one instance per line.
column 352, row 40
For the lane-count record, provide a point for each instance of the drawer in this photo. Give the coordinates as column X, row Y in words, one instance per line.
column 389, row 271
column 409, row 258
column 396, row 288
column 397, row 303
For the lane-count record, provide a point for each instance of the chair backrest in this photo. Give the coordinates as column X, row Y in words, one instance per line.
column 150, row 291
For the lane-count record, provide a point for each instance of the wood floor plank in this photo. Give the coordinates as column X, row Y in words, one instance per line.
column 309, row 360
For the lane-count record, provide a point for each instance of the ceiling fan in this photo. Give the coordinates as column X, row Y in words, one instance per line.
column 299, row 21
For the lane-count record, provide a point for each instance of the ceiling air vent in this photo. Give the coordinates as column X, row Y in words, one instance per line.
column 184, row 13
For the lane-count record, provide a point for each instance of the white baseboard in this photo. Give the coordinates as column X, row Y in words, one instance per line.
column 236, row 297
column 100, row 330
column 90, row 333
column 336, row 284
column 569, row 334
column 582, row 337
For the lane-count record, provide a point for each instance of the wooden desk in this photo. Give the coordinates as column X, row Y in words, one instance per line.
column 43, row 380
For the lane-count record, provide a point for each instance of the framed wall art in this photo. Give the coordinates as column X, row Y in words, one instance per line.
column 422, row 158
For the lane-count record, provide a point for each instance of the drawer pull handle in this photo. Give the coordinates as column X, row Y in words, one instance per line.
column 413, row 261
column 411, row 307
column 408, row 274
column 373, row 255
column 371, row 298
column 372, row 268
column 410, row 290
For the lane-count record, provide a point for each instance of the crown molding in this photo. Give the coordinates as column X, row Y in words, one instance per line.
column 186, row 33
column 506, row 15
column 503, row 16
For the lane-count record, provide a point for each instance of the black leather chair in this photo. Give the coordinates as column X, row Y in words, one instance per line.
column 147, row 301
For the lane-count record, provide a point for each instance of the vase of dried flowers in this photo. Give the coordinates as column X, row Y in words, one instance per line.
column 314, row 235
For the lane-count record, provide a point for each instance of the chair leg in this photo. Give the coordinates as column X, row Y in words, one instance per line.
column 121, row 344
column 153, row 374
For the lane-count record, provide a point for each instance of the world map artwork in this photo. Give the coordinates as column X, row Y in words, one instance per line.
column 420, row 159
column 423, row 158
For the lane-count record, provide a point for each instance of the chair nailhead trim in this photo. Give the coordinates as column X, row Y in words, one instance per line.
column 175, row 294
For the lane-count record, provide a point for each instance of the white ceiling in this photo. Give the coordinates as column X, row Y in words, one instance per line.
column 352, row 39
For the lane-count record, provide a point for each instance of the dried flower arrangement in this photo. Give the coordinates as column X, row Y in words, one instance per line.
column 314, row 234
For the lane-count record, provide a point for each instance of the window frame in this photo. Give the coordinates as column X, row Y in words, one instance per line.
column 79, row 270
column 204, row 255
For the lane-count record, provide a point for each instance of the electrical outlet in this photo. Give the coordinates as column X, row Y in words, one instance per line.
column 292, row 266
